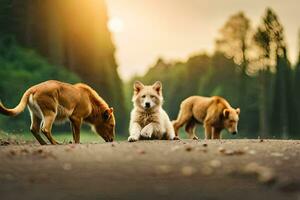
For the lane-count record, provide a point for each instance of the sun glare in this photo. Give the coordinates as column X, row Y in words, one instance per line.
column 115, row 25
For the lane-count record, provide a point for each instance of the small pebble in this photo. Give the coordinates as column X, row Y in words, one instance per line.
column 252, row 152
column 206, row 170
column 12, row 152
column 264, row 174
column 174, row 148
column 188, row 170
column 215, row 163
column 67, row 166
column 188, row 148
column 141, row 151
column 277, row 154
column 221, row 149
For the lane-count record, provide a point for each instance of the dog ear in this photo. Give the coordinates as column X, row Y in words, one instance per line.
column 238, row 111
column 138, row 86
column 107, row 114
column 111, row 110
column 226, row 113
column 157, row 87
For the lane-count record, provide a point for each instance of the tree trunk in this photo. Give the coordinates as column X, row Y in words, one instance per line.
column 264, row 127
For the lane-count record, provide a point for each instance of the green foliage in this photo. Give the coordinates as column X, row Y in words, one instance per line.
column 20, row 69
column 284, row 123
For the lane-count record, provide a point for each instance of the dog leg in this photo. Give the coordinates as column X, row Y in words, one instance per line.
column 47, row 127
column 76, row 124
column 194, row 133
column 190, row 128
column 208, row 131
column 181, row 120
column 35, row 128
column 216, row 133
column 148, row 130
column 134, row 131
column 170, row 132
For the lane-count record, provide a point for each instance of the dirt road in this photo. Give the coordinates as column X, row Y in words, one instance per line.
column 186, row 169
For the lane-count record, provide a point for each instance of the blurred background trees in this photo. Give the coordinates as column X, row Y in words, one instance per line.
column 20, row 69
column 234, row 42
column 54, row 39
column 250, row 68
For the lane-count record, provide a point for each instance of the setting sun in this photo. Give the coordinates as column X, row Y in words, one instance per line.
column 115, row 25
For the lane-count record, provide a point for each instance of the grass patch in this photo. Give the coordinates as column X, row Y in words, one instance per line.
column 63, row 137
column 87, row 136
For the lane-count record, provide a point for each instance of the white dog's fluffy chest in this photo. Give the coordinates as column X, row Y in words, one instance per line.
column 145, row 118
column 158, row 123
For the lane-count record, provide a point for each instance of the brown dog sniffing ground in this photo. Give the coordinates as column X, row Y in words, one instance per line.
column 53, row 101
column 215, row 113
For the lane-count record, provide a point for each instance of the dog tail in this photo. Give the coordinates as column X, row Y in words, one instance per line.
column 18, row 109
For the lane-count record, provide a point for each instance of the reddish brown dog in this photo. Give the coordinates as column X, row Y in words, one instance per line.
column 54, row 101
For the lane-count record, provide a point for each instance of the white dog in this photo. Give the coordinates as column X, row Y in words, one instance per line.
column 148, row 119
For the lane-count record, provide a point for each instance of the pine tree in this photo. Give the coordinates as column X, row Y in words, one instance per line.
column 297, row 83
column 234, row 42
column 270, row 38
column 262, row 40
column 274, row 73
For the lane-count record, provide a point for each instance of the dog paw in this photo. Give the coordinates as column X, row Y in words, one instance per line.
column 176, row 138
column 195, row 138
column 132, row 139
column 145, row 134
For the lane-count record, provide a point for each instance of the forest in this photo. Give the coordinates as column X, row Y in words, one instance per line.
column 40, row 40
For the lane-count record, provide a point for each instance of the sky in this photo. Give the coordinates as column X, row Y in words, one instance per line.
column 144, row 30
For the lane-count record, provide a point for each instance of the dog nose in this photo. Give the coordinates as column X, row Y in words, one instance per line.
column 147, row 105
column 234, row 133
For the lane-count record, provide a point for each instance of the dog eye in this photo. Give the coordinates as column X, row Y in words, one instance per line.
column 152, row 96
column 143, row 96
